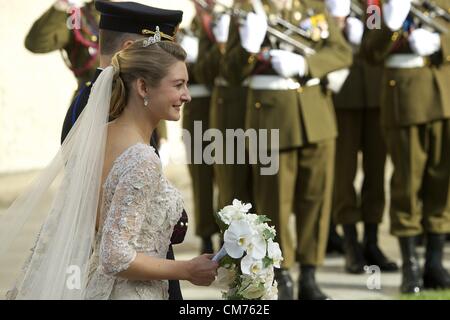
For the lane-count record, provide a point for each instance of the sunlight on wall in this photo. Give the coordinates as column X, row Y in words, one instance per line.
column 35, row 89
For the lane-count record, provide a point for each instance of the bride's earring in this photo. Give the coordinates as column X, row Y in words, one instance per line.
column 145, row 101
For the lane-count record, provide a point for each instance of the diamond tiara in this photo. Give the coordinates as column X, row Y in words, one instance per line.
column 153, row 39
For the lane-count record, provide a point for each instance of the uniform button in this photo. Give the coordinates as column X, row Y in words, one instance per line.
column 257, row 105
column 395, row 36
column 297, row 15
column 392, row 83
column 88, row 83
column 300, row 90
column 94, row 38
column 251, row 59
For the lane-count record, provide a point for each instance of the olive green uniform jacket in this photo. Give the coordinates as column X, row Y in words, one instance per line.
column 50, row 32
column 306, row 122
column 198, row 110
column 415, row 112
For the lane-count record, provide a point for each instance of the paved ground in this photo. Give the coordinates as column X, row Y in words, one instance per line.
column 331, row 276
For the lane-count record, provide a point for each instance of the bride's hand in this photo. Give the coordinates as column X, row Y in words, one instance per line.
column 202, row 270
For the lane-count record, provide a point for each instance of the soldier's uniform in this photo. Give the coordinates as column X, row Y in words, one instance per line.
column 303, row 112
column 79, row 47
column 227, row 111
column 358, row 119
column 200, row 83
column 415, row 116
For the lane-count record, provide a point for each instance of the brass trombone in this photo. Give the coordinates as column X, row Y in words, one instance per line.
column 435, row 10
column 428, row 18
column 356, row 10
column 273, row 21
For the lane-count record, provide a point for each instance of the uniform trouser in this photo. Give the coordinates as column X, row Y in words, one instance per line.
column 359, row 131
column 201, row 174
column 420, row 185
column 303, row 185
column 228, row 105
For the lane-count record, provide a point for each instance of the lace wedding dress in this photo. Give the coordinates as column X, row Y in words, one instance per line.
column 139, row 211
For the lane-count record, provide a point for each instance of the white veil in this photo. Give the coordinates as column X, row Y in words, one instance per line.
column 67, row 192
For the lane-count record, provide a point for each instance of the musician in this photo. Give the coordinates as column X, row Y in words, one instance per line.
column 227, row 109
column 288, row 91
column 415, row 116
column 358, row 118
column 78, row 45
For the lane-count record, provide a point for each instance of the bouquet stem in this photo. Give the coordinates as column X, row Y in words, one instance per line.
column 219, row 255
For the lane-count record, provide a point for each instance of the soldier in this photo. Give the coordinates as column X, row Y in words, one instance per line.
column 121, row 23
column 287, row 91
column 70, row 26
column 227, row 112
column 200, row 39
column 415, row 112
column 358, row 113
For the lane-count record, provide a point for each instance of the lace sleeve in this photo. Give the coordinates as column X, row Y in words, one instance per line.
column 124, row 220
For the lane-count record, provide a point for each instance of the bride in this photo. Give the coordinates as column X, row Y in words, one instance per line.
column 109, row 224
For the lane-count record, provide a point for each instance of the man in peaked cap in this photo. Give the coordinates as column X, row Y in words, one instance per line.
column 121, row 23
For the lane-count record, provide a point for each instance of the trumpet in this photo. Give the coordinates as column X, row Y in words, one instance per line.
column 271, row 30
column 356, row 10
column 428, row 19
column 435, row 10
column 202, row 4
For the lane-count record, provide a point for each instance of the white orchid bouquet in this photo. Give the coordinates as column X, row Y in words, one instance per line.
column 248, row 256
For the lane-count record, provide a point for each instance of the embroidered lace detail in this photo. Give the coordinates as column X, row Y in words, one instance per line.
column 139, row 211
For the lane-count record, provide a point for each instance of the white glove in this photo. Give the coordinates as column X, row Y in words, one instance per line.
column 395, row 12
column 221, row 28
column 190, row 45
column 354, row 29
column 288, row 64
column 253, row 32
column 424, row 42
column 64, row 5
column 336, row 79
column 338, row 8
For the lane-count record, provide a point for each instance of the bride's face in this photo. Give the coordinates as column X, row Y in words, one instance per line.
column 167, row 99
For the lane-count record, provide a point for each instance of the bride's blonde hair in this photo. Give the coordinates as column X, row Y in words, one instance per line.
column 151, row 63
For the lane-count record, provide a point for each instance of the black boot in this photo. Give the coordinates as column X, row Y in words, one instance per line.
column 420, row 240
column 335, row 242
column 307, row 286
column 354, row 258
column 411, row 277
column 207, row 245
column 435, row 276
column 373, row 253
column 285, row 284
